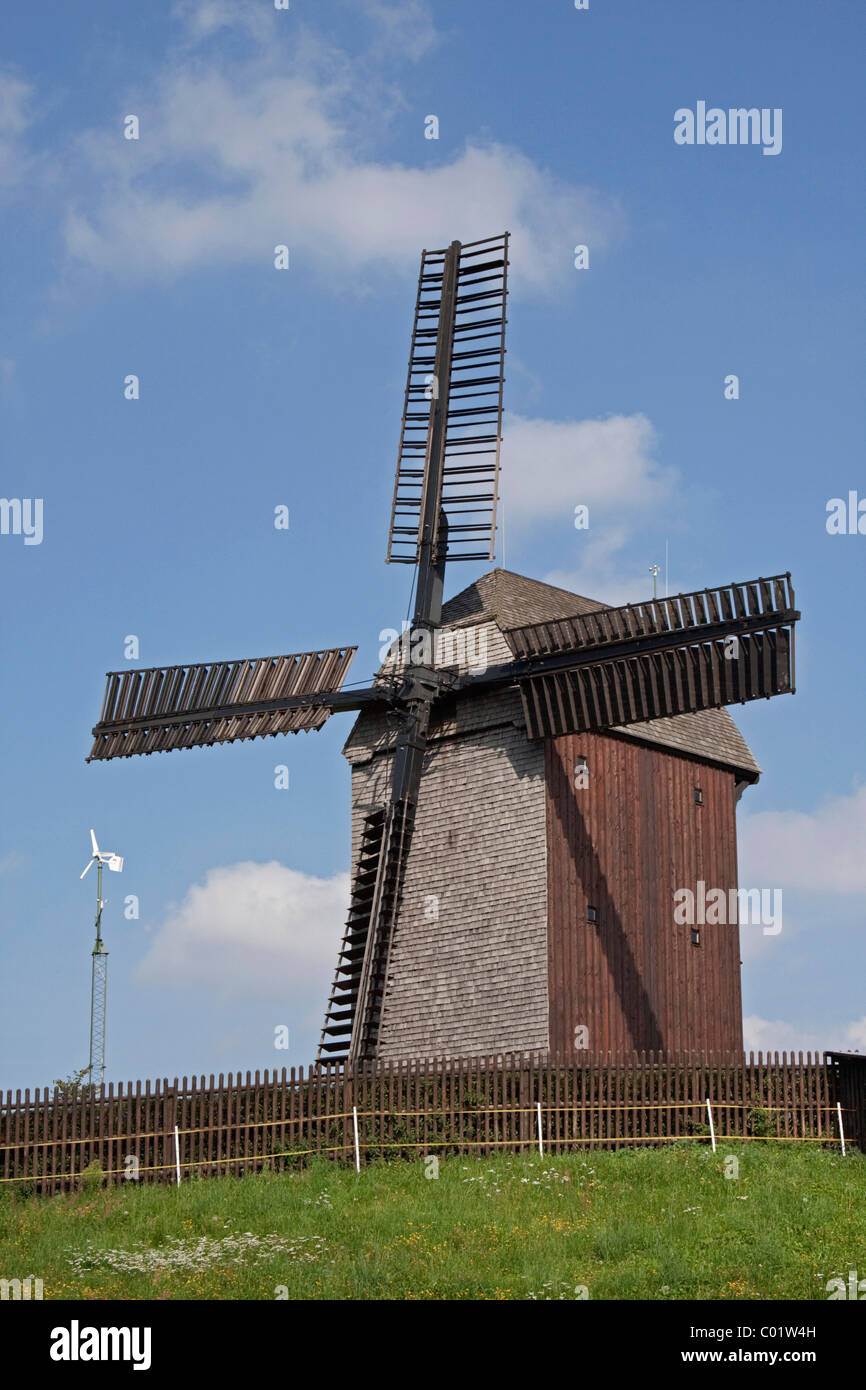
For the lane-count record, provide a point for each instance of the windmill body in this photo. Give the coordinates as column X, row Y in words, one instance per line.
column 491, row 908
column 495, row 948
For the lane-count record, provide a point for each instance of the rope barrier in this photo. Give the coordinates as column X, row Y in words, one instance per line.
column 203, row 1129
column 282, row 1122
column 458, row 1144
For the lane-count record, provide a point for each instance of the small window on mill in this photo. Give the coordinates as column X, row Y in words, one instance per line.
column 592, row 914
column 699, row 797
column 696, row 937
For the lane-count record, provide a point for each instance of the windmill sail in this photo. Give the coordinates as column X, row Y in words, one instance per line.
column 161, row 708
column 658, row 685
column 771, row 600
column 453, row 387
column 621, row 666
column 444, row 507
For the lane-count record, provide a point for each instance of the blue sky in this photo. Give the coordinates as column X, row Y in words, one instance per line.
column 260, row 388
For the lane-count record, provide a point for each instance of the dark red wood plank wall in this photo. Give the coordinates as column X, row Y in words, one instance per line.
column 623, row 845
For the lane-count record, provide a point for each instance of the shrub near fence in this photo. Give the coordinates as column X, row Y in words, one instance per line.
column 475, row 1105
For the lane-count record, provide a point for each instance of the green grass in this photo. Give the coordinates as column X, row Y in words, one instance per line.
column 658, row 1224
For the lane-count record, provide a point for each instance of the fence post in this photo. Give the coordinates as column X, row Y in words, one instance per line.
column 540, row 1140
column 841, row 1130
column 177, row 1154
column 357, row 1148
column 712, row 1126
column 169, row 1119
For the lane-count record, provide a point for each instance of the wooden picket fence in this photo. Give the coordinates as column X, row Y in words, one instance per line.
column 236, row 1124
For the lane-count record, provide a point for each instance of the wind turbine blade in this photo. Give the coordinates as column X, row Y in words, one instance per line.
column 89, row 866
column 93, row 842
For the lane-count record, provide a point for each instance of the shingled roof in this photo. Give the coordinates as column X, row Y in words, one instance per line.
column 501, row 600
column 512, row 600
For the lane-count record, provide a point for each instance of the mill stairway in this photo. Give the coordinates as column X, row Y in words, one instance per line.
column 354, row 1007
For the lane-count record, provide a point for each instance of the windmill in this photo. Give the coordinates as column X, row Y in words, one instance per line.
column 591, row 671
column 99, row 967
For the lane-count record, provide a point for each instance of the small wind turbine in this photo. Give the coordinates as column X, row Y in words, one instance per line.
column 99, row 974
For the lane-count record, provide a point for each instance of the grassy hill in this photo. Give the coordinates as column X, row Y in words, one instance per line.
column 657, row 1224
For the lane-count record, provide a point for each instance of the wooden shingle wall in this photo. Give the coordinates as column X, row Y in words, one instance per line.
column 468, row 968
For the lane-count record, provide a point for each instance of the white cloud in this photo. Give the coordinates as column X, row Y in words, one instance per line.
column 765, row 1035
column 204, row 18
column 405, row 27
column 608, row 465
column 819, row 851
column 234, row 160
column 15, row 101
column 551, row 465
column 253, row 932
column 604, row 572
